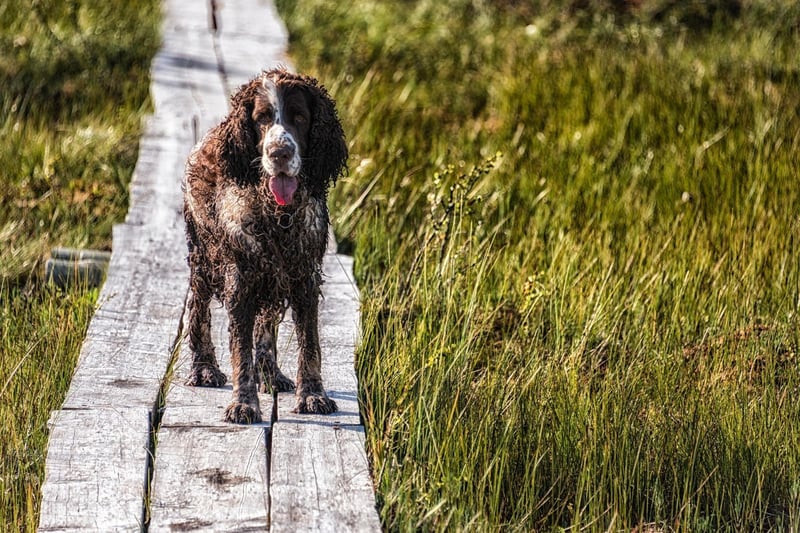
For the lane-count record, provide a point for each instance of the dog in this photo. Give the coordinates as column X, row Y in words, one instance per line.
column 255, row 191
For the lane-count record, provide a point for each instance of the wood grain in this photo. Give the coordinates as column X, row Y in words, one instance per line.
column 210, row 478
column 96, row 472
column 319, row 479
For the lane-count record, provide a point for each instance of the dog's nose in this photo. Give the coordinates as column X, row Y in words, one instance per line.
column 281, row 153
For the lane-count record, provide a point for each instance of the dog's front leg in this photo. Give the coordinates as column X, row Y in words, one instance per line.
column 244, row 408
column 311, row 396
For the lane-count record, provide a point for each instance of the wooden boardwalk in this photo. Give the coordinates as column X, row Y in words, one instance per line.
column 132, row 448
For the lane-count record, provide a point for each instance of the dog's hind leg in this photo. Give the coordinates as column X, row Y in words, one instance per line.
column 244, row 408
column 265, row 339
column 205, row 370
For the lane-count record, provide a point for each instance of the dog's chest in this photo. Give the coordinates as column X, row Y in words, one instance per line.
column 293, row 236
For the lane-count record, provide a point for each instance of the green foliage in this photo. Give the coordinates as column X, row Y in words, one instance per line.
column 597, row 328
column 71, row 103
column 74, row 78
column 42, row 335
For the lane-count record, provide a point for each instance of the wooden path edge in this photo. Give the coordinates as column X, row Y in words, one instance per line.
column 132, row 448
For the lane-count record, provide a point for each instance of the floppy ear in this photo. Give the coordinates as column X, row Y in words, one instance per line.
column 327, row 151
column 238, row 152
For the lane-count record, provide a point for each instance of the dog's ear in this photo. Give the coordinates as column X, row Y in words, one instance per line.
column 327, row 151
column 238, row 151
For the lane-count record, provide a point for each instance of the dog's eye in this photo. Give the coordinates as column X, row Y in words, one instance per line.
column 300, row 119
column 264, row 115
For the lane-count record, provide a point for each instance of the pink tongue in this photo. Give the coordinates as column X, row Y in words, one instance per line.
column 282, row 188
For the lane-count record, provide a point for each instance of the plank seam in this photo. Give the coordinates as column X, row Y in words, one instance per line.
column 215, row 41
column 273, row 418
column 156, row 417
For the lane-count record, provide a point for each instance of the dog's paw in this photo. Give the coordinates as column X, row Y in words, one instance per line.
column 206, row 376
column 280, row 383
column 242, row 413
column 314, row 403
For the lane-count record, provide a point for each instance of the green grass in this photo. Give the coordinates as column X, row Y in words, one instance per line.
column 598, row 328
column 74, row 78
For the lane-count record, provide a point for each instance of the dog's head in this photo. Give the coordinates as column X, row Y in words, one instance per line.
column 283, row 131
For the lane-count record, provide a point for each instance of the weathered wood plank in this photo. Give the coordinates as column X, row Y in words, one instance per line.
column 97, row 456
column 338, row 268
column 128, row 343
column 185, row 72
column 210, row 478
column 95, row 470
column 189, row 99
column 251, row 37
column 319, row 479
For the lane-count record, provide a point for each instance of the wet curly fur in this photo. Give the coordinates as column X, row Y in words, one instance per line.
column 255, row 194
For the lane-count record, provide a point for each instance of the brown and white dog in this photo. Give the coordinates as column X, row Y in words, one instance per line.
column 255, row 195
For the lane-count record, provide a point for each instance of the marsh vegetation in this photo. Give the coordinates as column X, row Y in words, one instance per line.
column 576, row 232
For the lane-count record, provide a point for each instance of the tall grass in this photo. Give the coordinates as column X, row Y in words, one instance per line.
column 74, row 79
column 42, row 335
column 598, row 328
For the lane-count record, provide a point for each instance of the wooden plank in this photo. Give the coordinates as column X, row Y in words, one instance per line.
column 189, row 98
column 210, row 478
column 97, row 455
column 250, row 37
column 186, row 82
column 129, row 341
column 319, row 476
column 155, row 200
column 319, row 479
column 95, row 470
column 338, row 268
